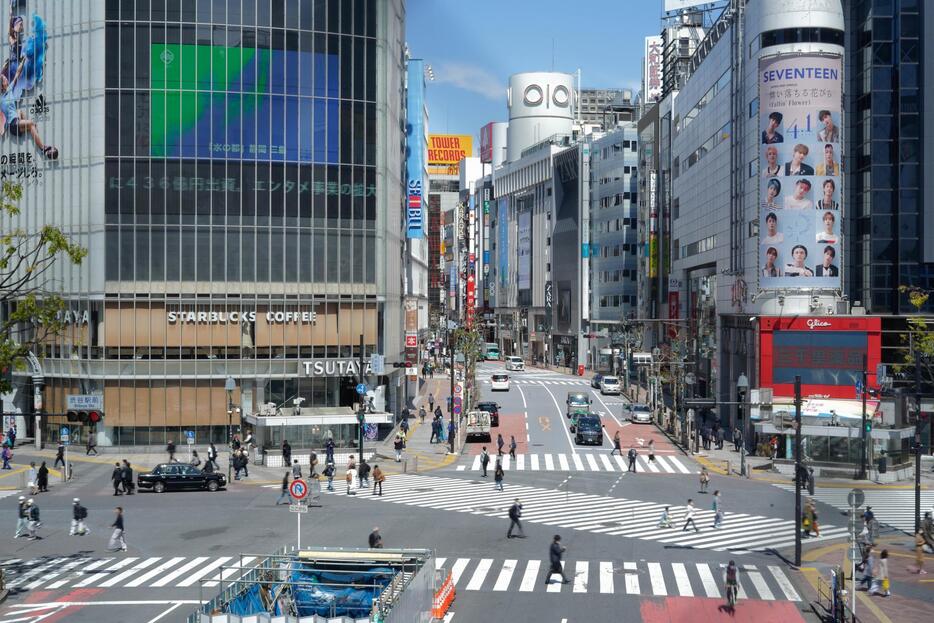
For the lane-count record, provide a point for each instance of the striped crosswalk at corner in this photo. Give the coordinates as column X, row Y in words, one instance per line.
column 612, row 516
column 48, row 573
column 520, row 381
column 614, row 577
column 891, row 507
column 584, row 462
column 7, row 493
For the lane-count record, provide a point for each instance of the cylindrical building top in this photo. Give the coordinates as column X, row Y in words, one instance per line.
column 541, row 104
column 779, row 15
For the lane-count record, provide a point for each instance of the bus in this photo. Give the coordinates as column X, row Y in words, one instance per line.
column 491, row 351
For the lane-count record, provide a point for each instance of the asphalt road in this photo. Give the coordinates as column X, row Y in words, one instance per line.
column 617, row 558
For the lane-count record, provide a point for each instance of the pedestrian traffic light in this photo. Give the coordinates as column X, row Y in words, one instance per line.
column 868, row 426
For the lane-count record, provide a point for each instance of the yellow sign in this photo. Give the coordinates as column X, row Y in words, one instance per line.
column 447, row 149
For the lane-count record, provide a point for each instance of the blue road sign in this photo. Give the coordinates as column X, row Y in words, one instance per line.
column 190, row 434
column 859, row 389
column 361, row 389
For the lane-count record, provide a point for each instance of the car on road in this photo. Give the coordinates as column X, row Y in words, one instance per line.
column 577, row 402
column 499, row 382
column 610, row 385
column 587, row 429
column 179, row 477
column 595, row 381
column 639, row 413
column 493, row 409
column 515, row 364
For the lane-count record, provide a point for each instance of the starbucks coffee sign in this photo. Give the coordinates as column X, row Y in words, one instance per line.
column 236, row 317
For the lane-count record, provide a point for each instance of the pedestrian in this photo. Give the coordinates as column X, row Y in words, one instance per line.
column 117, row 477
column 348, row 476
column 42, row 478
column 195, row 459
column 22, row 518
column 286, row 453
column 170, row 448
column 773, row 444
column 284, row 494
column 452, row 430
column 499, row 444
column 7, row 455
column 632, row 460
column 78, row 515
column 717, row 510
column 437, row 412
column 329, row 474
column 689, row 517
column 881, row 583
column 431, row 401
column 376, row 539
column 312, row 464
column 617, row 444
column 869, row 569
column 91, row 445
column 512, row 447
column 704, row 479
column 515, row 512
column 555, row 554
column 498, row 475
column 32, row 478
column 737, row 439
column 484, row 461
column 235, row 442
column 329, row 451
column 434, row 430
column 665, row 520
column 378, row 478
column 11, row 435
column 118, row 537
column 127, row 477
column 421, row 414
column 363, row 474
column 404, row 427
column 296, row 469
column 651, row 450
column 248, row 443
column 919, row 552
column 34, row 521
column 397, row 446
column 212, row 458
column 719, row 438
column 59, row 455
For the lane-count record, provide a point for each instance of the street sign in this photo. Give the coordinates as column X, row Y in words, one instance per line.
column 411, row 340
column 190, row 434
column 76, row 402
column 856, row 497
column 64, row 434
column 377, row 364
column 880, row 372
column 855, row 553
column 361, row 389
column 859, row 389
column 457, row 409
column 298, row 489
column 458, row 389
column 298, row 508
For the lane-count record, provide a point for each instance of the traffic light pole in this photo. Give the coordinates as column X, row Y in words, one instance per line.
column 797, row 471
column 361, row 415
column 862, row 445
column 451, row 412
column 918, row 442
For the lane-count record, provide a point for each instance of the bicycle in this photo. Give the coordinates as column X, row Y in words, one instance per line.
column 731, row 595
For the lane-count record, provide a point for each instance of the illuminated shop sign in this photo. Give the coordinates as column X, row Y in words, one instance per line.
column 334, row 367
column 236, row 317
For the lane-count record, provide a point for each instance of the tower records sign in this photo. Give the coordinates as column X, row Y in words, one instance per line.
column 800, row 194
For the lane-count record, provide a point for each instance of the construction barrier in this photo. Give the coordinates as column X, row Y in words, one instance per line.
column 443, row 598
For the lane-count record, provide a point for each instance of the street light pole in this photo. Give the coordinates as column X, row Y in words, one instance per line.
column 230, row 385
column 742, row 389
column 918, row 441
column 797, row 470
column 451, row 398
column 361, row 415
column 862, row 433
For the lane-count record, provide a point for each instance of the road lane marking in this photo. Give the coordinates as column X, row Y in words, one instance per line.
column 206, row 569
column 184, row 569
column 632, row 579
column 129, row 572
column 606, row 577
column 563, row 461
column 479, row 574
column 476, row 463
column 784, row 583
column 553, row 587
column 549, row 463
column 607, row 464
column 227, row 574
column 544, row 422
column 83, row 571
column 534, row 462
column 58, row 572
column 531, row 574
column 505, row 575
column 678, row 464
column 520, row 462
column 154, row 572
column 581, row 575
column 682, row 580
column 592, row 462
column 577, row 462
column 657, row 579
column 759, row 582
column 457, row 569
column 710, row 585
column 561, row 418
column 115, row 567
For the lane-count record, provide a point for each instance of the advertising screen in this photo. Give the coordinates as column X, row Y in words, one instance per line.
column 828, row 358
column 502, row 248
column 800, row 193
column 211, row 101
column 415, row 150
column 524, row 250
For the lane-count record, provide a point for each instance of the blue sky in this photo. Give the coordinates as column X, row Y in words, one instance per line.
column 475, row 45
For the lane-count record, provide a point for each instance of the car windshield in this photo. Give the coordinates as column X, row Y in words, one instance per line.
column 610, row 380
column 486, row 406
column 640, row 408
column 500, row 377
column 588, row 423
column 578, row 399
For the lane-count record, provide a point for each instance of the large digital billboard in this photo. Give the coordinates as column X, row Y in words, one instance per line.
column 524, row 250
column 241, row 103
column 445, row 151
column 415, row 150
column 800, row 192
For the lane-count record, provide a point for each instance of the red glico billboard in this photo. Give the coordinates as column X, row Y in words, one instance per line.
column 827, row 352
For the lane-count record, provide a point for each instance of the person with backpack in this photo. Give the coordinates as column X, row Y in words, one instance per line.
column 632, row 460
column 78, row 514
column 34, row 522
column 363, row 473
column 378, row 478
column 329, row 474
column 498, row 475
column 484, row 461
column 7, row 455
column 515, row 512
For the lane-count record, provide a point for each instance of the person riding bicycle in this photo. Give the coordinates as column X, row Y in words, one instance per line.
column 732, row 580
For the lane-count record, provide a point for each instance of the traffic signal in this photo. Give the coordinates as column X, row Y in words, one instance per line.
column 868, row 426
column 85, row 416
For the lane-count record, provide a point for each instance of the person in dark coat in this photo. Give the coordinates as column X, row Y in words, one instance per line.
column 286, row 453
column 555, row 553
column 92, row 444
column 515, row 512
column 127, row 475
column 499, row 444
column 42, row 478
column 170, row 449
column 376, row 539
column 117, row 477
column 59, row 455
column 498, row 475
column 329, row 451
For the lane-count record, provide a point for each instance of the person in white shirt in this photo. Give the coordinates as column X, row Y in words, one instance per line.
column 772, row 189
column 830, row 133
column 770, row 269
column 773, row 236
column 826, row 235
column 772, row 168
column 689, row 517
column 799, row 200
column 797, row 268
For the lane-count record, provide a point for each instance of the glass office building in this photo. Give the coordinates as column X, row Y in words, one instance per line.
column 234, row 169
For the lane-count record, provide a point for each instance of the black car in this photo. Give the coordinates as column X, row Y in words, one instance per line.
column 178, row 476
column 493, row 409
column 588, row 429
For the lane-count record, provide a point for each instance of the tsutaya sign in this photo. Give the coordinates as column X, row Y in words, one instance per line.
column 334, row 367
column 225, row 317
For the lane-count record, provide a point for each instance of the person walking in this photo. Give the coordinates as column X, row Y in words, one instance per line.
column 91, row 445
column 632, row 460
column 617, row 444
column 499, row 444
column 313, row 464
column 284, row 495
column 375, row 539
column 244, row 463
column 452, row 429
column 919, row 552
column 704, row 480
column 651, row 450
column 118, row 537
column 434, row 430
column 42, row 478
column 515, row 512
column 286, row 453
column 404, row 427
column 363, row 474
column 717, row 510
column 170, row 449
column 116, row 476
column 689, row 517
column 737, row 439
column 348, row 476
column 329, row 474
column 126, row 473
column 378, row 478
column 212, row 458
column 421, row 414
column 59, row 455
column 512, row 447
column 431, row 401
column 397, row 445
column 7, row 455
column 22, row 518
column 881, row 583
column 555, row 554
column 329, row 451
column 484, row 461
column 195, row 459
column 78, row 515
column 34, row 521
column 498, row 475
column 719, row 438
column 665, row 520
column 11, row 435
column 296, row 469
column 32, row 478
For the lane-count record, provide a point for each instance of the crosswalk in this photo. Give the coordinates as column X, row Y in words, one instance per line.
column 583, row 462
column 614, row 516
column 893, row 507
column 612, row 577
column 544, row 381
column 51, row 573
column 7, row 493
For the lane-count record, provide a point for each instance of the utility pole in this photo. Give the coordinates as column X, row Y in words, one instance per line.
column 451, row 398
column 797, row 470
column 918, row 441
column 862, row 445
column 361, row 413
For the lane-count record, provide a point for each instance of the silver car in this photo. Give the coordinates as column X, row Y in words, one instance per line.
column 610, row 385
column 639, row 413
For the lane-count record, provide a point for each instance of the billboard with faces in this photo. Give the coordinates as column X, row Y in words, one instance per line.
column 800, row 193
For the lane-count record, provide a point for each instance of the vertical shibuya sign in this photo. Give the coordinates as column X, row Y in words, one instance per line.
column 800, row 177
column 415, row 150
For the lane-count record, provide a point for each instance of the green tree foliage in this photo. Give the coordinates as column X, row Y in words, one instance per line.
column 920, row 337
column 32, row 313
column 470, row 343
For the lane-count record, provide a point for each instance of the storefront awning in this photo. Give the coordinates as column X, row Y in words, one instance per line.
column 338, row 417
column 820, row 409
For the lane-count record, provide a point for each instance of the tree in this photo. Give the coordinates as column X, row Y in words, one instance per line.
column 469, row 342
column 920, row 338
column 32, row 312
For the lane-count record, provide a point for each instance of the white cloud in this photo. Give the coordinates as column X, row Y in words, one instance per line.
column 471, row 78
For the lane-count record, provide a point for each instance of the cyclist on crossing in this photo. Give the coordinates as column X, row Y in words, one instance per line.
column 732, row 582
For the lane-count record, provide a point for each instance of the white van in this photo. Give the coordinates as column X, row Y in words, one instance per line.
column 515, row 364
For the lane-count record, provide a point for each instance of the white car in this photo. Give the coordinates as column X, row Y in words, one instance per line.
column 610, row 385
column 639, row 413
column 499, row 382
column 515, row 364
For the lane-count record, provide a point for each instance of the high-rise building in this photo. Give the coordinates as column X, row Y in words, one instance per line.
column 235, row 171
column 606, row 108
